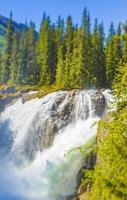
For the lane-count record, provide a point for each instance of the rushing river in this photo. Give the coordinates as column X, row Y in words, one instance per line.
column 34, row 138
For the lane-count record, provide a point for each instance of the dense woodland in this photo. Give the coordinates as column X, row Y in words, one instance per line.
column 64, row 54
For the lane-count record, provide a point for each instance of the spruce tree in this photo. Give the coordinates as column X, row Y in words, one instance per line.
column 98, row 57
column 52, row 53
column 7, row 54
column 31, row 39
column 60, row 45
column 14, row 60
column 22, row 61
column 43, row 53
column 124, row 41
column 60, row 69
column 77, row 73
column 86, row 31
column 109, row 56
column 69, row 50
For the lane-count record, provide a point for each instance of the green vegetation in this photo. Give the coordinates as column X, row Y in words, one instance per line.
column 67, row 56
column 108, row 179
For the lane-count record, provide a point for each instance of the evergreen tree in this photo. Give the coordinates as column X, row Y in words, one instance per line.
column 60, row 67
column 6, row 57
column 69, row 49
column 95, row 53
column 85, row 26
column 14, row 60
column 44, row 53
column 60, row 52
column 110, row 65
column 119, row 29
column 31, row 39
column 59, row 35
column 98, row 57
column 22, row 61
column 124, row 39
column 52, row 52
column 77, row 77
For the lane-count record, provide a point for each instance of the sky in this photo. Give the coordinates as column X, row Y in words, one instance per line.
column 104, row 10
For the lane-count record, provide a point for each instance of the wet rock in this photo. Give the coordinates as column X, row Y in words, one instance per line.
column 61, row 112
column 29, row 96
column 23, row 91
column 7, row 101
column 2, row 91
column 8, row 90
column 81, row 189
column 88, row 164
column 99, row 102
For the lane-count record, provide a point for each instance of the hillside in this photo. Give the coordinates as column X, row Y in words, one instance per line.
column 3, row 27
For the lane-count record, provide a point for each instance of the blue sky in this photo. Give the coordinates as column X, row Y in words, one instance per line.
column 106, row 10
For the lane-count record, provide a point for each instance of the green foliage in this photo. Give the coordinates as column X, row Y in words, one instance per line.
column 14, row 60
column 60, row 66
column 68, row 52
column 69, row 57
column 120, row 86
column 98, row 56
column 86, row 149
column 113, row 55
column 109, row 176
column 7, row 54
column 108, row 180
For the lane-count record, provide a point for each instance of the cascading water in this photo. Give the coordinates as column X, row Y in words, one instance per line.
column 36, row 135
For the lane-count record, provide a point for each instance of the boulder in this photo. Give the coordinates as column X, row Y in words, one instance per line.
column 28, row 96
column 2, row 91
column 99, row 102
column 10, row 90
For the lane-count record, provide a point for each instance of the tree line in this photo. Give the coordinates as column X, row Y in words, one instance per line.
column 64, row 54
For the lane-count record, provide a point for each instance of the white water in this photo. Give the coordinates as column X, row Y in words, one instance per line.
column 50, row 175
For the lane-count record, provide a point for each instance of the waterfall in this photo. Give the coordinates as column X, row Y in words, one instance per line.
column 36, row 135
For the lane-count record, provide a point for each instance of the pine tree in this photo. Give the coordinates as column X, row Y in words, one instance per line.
column 52, row 52
column 44, row 53
column 95, row 53
column 86, row 31
column 69, row 49
column 77, row 79
column 109, row 56
column 119, row 29
column 22, row 60
column 31, row 39
column 59, row 34
column 124, row 40
column 6, row 57
column 120, row 85
column 60, row 67
column 98, row 57
column 14, row 60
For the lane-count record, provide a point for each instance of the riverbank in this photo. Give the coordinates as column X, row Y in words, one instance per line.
column 107, row 179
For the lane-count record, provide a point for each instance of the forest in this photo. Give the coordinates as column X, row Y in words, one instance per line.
column 63, row 54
